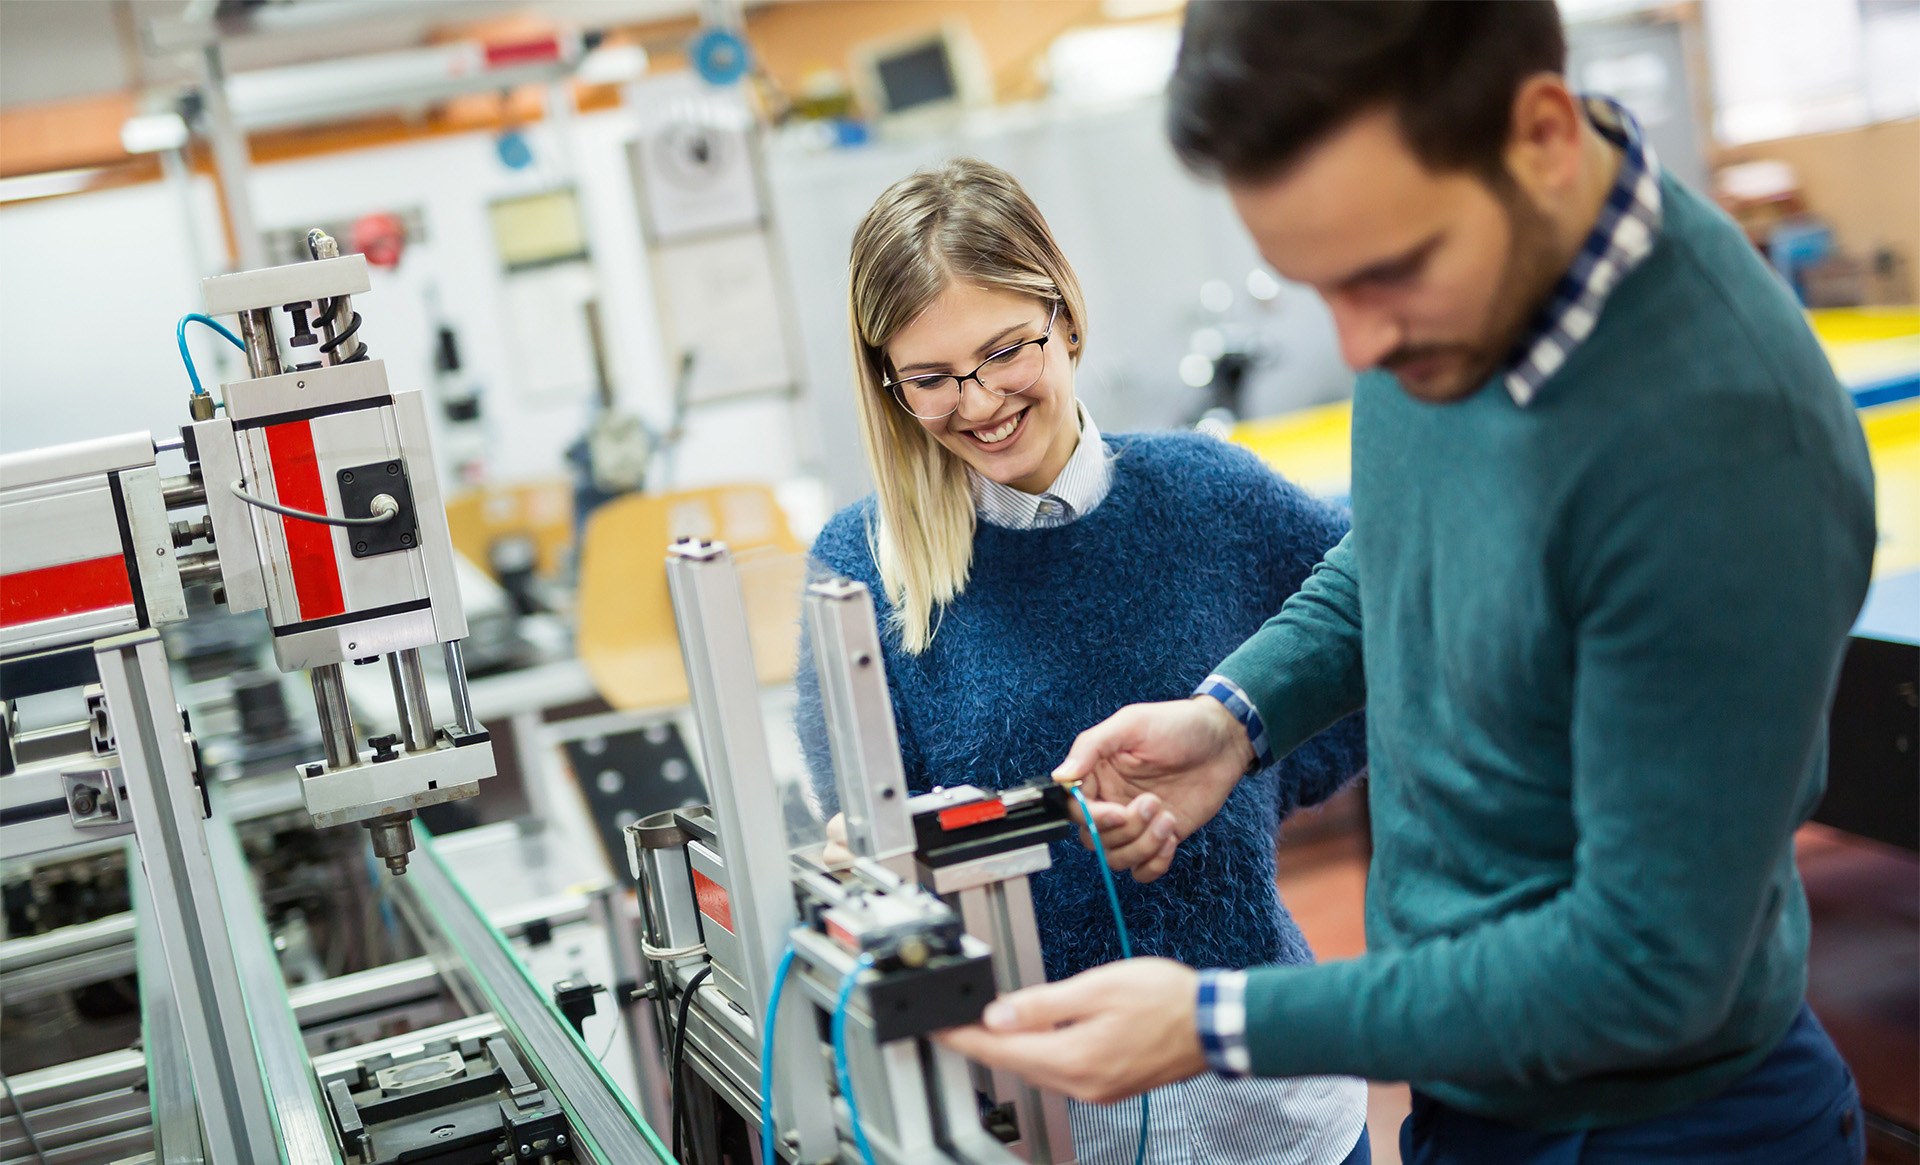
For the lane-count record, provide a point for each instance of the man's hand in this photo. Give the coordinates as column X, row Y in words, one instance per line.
column 1104, row 1035
column 1164, row 769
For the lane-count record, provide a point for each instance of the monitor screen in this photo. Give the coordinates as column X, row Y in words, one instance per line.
column 918, row 76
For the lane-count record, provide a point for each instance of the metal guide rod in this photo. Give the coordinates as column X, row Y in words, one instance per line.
column 410, row 698
column 263, row 347
column 725, row 691
column 186, row 900
column 859, row 710
column 455, row 657
column 336, row 719
column 1001, row 915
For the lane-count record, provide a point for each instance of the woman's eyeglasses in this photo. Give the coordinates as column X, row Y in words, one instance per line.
column 1008, row 372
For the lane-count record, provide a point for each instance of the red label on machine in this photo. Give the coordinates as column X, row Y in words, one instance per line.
column 973, row 813
column 296, row 479
column 71, row 588
column 712, row 897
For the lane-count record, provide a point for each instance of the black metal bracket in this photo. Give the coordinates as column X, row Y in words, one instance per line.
column 359, row 486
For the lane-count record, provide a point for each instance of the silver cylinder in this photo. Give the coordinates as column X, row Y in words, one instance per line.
column 336, row 720
column 183, row 491
column 195, row 569
column 657, row 852
column 392, row 838
column 263, row 347
column 455, row 656
column 410, row 699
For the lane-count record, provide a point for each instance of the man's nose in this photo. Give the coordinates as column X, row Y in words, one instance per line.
column 1367, row 335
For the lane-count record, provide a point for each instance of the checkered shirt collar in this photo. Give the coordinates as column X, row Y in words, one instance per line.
column 1623, row 236
column 1082, row 485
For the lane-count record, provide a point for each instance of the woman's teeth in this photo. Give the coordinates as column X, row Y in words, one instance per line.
column 995, row 436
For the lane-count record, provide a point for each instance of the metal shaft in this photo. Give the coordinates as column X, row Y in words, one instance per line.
column 456, row 660
column 336, row 720
column 263, row 347
column 410, row 699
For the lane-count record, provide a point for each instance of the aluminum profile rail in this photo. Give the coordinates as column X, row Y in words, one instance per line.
column 468, row 948
column 300, row 1118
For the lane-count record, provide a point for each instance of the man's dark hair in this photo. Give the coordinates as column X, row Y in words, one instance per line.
column 1259, row 82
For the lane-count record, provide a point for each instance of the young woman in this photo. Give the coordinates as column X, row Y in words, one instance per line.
column 1015, row 553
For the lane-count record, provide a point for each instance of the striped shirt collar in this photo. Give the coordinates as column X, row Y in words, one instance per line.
column 1623, row 236
column 1081, row 486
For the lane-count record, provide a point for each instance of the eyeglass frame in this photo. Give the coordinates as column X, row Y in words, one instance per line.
column 897, row 384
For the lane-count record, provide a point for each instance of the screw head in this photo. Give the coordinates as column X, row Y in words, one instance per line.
column 160, row 550
column 560, row 1139
column 346, row 476
column 360, row 546
column 299, row 384
column 406, row 540
column 526, row 1150
column 393, row 468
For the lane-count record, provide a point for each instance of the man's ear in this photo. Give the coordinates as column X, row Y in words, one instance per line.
column 1544, row 137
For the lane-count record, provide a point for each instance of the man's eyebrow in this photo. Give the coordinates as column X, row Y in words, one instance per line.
column 992, row 344
column 1394, row 266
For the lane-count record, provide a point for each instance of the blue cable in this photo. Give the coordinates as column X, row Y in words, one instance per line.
column 766, row 1058
column 840, row 1056
column 180, row 333
column 1126, row 944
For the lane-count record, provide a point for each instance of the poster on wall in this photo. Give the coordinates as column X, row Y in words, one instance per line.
column 692, row 160
column 719, row 301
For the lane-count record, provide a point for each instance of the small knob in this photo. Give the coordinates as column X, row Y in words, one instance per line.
column 384, row 747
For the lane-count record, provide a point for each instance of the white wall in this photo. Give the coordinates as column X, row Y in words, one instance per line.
column 91, row 287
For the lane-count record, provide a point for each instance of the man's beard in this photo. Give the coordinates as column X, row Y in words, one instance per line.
column 1532, row 268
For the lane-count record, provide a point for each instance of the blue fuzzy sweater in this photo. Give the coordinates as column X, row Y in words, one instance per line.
column 1196, row 545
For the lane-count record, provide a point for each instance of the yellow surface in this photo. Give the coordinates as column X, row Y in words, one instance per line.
column 1313, row 449
column 540, row 510
column 1869, row 344
column 1853, row 325
column 627, row 638
column 1893, row 440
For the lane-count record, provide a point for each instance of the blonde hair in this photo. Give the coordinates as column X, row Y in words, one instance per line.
column 965, row 222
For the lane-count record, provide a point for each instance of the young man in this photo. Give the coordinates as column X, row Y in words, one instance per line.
column 1612, row 521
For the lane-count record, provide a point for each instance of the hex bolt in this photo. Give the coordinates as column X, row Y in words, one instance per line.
column 86, row 799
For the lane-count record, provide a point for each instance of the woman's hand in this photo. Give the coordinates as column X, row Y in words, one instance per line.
column 836, row 854
column 1164, row 770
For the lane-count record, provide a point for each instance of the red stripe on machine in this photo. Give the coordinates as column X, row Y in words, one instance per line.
column 296, row 479
column 973, row 813
column 91, row 584
column 712, row 897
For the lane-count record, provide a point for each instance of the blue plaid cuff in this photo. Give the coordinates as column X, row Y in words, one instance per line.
column 1227, row 692
column 1222, row 1020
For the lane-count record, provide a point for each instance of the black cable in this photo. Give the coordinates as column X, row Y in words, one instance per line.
column 679, row 1050
column 20, row 1114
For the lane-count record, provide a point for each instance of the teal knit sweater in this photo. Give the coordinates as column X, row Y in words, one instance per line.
column 1596, row 638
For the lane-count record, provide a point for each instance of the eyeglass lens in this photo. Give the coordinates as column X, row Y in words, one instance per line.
column 1012, row 370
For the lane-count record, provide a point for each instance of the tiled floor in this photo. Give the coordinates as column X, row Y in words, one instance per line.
column 1864, row 977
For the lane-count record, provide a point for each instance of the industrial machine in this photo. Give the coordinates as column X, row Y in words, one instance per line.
column 309, row 492
column 931, row 921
